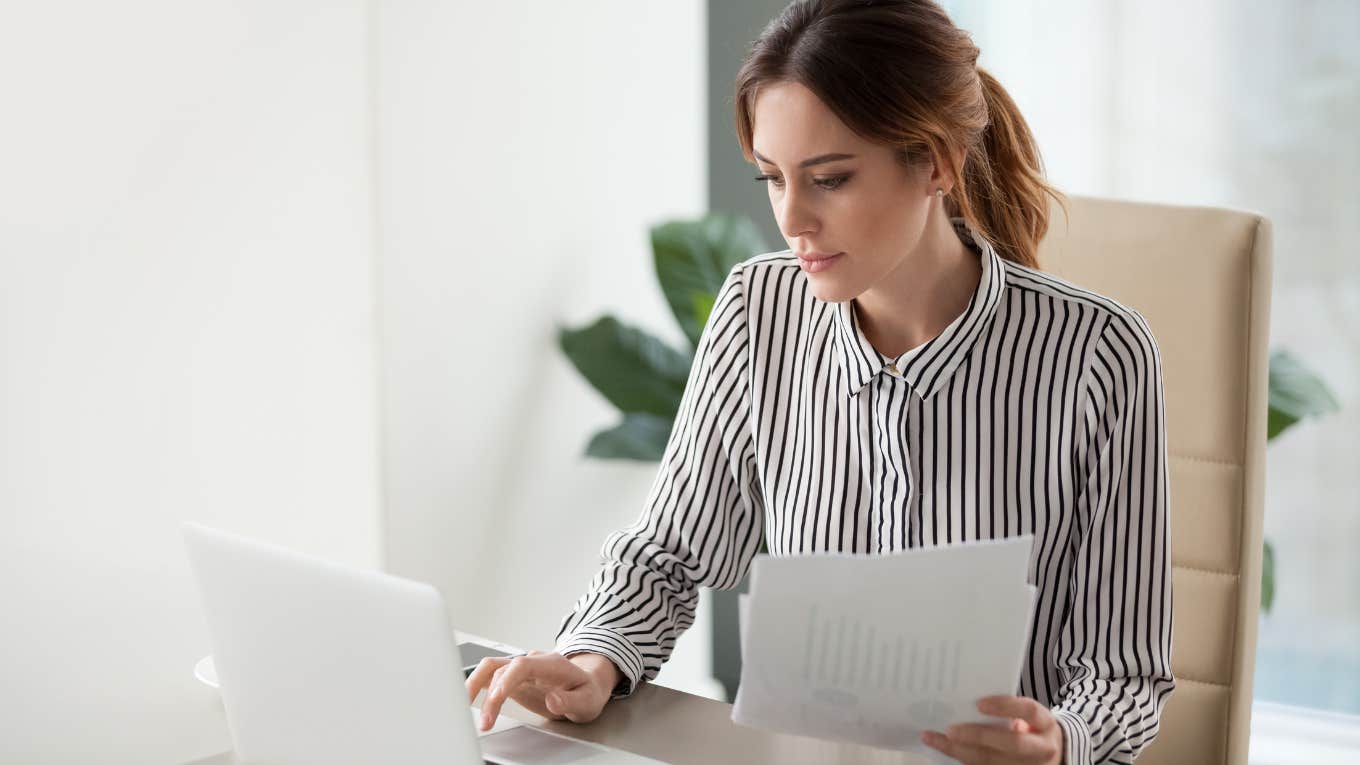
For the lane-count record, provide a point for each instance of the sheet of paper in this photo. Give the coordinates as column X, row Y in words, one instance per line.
column 876, row 649
column 1003, row 561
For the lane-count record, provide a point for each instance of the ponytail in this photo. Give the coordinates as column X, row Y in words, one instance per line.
column 1003, row 191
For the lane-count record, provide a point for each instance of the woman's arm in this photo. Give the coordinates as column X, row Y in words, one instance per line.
column 1114, row 651
column 703, row 519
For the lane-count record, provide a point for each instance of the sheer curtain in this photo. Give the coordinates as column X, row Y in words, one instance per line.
column 1253, row 105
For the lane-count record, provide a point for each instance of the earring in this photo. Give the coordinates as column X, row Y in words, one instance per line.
column 939, row 192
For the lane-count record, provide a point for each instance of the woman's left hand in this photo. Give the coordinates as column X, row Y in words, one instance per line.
column 1034, row 735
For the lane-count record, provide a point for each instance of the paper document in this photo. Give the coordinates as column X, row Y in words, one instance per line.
column 876, row 649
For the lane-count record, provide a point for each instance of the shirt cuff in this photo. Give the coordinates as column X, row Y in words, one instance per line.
column 611, row 645
column 1077, row 737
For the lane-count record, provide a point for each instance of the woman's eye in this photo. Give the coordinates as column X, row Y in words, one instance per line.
column 830, row 184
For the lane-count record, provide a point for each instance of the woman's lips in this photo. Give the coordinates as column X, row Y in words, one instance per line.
column 818, row 263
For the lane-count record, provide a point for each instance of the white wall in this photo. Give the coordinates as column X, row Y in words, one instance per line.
column 186, row 332
column 525, row 148
column 211, row 215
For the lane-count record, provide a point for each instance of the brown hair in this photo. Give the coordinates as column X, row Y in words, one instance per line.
column 899, row 73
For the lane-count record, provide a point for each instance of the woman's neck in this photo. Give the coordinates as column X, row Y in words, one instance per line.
column 932, row 287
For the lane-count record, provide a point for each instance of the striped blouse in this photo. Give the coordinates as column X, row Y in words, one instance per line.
column 1038, row 410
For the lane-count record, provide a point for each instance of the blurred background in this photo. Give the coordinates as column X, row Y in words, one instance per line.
column 295, row 270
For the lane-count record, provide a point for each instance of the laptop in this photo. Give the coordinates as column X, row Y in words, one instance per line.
column 323, row 663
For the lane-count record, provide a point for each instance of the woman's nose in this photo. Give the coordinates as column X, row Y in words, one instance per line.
column 795, row 217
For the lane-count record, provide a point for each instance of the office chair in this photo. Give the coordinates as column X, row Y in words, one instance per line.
column 1201, row 277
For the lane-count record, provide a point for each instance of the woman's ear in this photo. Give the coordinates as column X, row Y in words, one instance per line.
column 942, row 174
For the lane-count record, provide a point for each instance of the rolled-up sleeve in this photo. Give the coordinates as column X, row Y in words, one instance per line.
column 702, row 523
column 1114, row 653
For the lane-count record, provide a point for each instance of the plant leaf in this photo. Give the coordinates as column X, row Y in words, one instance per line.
column 703, row 306
column 635, row 371
column 696, row 256
column 1267, row 577
column 1295, row 392
column 638, row 437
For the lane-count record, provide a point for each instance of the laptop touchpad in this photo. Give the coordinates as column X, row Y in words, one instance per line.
column 525, row 744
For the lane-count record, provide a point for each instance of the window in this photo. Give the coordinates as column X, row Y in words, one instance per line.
column 1250, row 105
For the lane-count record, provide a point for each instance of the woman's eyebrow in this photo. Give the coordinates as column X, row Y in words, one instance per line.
column 808, row 162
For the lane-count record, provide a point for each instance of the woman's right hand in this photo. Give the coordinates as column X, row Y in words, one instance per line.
column 547, row 684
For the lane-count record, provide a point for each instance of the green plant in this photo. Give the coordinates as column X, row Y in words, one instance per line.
column 638, row 373
column 1296, row 392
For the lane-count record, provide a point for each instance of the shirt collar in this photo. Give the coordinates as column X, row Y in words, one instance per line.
column 929, row 366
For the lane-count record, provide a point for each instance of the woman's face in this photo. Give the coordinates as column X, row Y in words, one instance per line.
column 866, row 209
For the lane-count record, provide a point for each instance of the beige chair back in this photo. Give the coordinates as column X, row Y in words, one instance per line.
column 1201, row 277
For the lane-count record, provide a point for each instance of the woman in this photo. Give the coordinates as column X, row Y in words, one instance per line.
column 903, row 375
